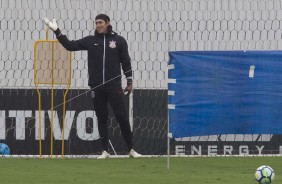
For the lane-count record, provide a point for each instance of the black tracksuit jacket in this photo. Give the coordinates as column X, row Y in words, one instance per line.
column 107, row 53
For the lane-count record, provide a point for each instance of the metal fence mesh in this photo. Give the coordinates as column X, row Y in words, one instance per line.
column 152, row 28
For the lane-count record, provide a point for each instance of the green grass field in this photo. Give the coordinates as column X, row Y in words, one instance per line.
column 200, row 170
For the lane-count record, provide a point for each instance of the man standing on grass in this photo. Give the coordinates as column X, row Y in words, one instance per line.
column 107, row 54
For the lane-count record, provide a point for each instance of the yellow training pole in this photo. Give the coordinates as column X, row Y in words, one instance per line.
column 51, row 81
column 52, row 103
column 39, row 104
column 47, row 36
column 64, row 113
column 63, row 123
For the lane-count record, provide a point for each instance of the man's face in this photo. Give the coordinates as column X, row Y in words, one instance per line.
column 101, row 25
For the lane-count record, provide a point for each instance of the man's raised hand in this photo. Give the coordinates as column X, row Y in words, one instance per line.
column 52, row 25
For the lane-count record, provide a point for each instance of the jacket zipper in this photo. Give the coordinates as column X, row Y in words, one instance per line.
column 104, row 59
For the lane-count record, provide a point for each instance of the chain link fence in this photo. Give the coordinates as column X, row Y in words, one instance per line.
column 152, row 28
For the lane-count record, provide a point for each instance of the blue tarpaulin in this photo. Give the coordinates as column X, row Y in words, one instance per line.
column 225, row 92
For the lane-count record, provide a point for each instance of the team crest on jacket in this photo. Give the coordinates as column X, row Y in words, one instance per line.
column 112, row 44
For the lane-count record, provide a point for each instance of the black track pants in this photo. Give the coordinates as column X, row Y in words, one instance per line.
column 103, row 95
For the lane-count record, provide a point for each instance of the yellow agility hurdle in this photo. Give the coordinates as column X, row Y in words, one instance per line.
column 52, row 66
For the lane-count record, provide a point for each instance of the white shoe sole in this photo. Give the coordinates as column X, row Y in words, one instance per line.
column 131, row 156
column 101, row 158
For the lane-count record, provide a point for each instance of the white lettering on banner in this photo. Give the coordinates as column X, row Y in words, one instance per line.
column 179, row 150
column 194, row 149
column 37, row 128
column 81, row 123
column 20, row 122
column 19, row 116
column 227, row 149
column 243, row 150
column 212, row 150
column 2, row 125
column 68, row 124
column 259, row 149
column 57, row 129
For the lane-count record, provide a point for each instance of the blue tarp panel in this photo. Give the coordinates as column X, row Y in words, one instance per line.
column 225, row 92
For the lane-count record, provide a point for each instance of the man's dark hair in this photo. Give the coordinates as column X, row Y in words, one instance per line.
column 104, row 17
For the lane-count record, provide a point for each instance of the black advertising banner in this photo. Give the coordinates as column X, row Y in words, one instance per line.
column 19, row 123
column 19, row 127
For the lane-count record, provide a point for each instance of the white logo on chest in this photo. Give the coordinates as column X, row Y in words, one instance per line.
column 112, row 44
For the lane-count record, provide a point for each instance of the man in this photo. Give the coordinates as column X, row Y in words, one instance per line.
column 107, row 53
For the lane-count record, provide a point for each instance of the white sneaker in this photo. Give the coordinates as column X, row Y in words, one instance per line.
column 104, row 155
column 134, row 154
